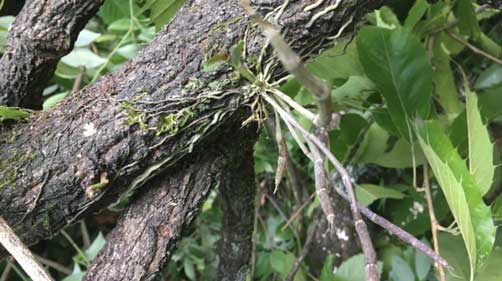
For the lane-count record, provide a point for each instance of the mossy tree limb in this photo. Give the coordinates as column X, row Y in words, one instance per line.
column 87, row 135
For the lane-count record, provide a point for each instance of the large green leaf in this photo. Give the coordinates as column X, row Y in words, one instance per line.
column 461, row 191
column 480, row 147
column 397, row 63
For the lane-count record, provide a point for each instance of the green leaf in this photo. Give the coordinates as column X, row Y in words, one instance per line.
column 86, row 37
column 497, row 209
column 350, row 129
column 352, row 269
column 282, row 262
column 122, row 24
column 491, row 77
column 452, row 249
column 189, row 268
column 489, row 104
column 422, row 264
column 327, row 270
column 92, row 252
column 397, row 63
column 83, row 56
column 416, row 13
column 467, row 22
column 480, row 147
column 76, row 275
column 113, row 10
column 128, row 51
column 383, row 119
column 53, row 100
column 385, row 17
column 215, row 62
column 353, row 93
column 162, row 11
column 462, row 194
column 401, row 271
column 491, row 270
column 444, row 82
column 368, row 193
column 12, row 113
column 378, row 147
column 338, row 62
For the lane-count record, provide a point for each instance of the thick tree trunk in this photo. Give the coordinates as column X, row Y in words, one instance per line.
column 237, row 192
column 43, row 32
column 131, row 125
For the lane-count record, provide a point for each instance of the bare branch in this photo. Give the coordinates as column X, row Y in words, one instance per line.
column 42, row 33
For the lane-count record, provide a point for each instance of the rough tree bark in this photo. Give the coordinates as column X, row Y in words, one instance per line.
column 237, row 192
column 42, row 33
column 135, row 123
column 146, row 234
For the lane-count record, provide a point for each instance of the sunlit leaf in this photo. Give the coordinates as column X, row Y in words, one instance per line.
column 84, row 57
column 12, row 113
column 416, row 13
column 53, row 100
column 462, row 194
column 491, row 77
column 480, row 147
column 368, row 193
column 86, row 37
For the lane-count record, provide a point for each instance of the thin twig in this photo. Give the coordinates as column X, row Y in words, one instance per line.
column 473, row 48
column 50, row 263
column 384, row 223
column 282, row 155
column 397, row 231
column 432, row 216
column 290, row 168
column 255, row 229
column 76, row 247
column 21, row 253
column 298, row 212
column 321, row 184
column 283, row 216
column 361, row 229
column 78, row 80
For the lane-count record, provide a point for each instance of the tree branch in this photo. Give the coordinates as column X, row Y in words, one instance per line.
column 237, row 192
column 146, row 234
column 42, row 33
column 137, row 122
